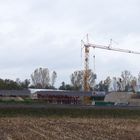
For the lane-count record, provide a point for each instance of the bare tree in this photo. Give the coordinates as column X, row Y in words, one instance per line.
column 40, row 78
column 107, row 83
column 126, row 79
column 134, row 84
column 18, row 81
column 53, row 78
column 138, row 80
column 119, row 84
column 115, row 85
column 77, row 79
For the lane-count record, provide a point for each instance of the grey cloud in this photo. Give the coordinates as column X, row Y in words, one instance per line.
column 47, row 33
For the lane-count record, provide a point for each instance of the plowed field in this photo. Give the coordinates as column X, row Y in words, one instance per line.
column 44, row 128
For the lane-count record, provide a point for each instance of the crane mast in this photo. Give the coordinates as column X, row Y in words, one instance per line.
column 86, row 64
column 86, row 71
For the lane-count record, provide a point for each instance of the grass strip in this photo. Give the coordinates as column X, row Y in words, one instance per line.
column 70, row 112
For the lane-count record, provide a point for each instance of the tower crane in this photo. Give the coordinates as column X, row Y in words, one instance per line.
column 87, row 47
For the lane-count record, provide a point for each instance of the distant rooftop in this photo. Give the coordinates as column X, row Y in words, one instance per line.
column 14, row 92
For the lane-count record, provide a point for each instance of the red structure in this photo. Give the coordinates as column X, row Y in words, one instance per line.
column 59, row 99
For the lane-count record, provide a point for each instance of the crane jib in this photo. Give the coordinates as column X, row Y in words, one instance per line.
column 87, row 46
column 110, row 48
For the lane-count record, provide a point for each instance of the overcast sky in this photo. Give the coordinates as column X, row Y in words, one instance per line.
column 48, row 33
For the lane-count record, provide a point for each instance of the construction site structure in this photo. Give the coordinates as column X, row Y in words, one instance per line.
column 87, row 47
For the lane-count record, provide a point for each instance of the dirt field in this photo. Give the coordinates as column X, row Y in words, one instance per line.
column 35, row 128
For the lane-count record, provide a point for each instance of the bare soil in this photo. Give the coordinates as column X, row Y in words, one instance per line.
column 43, row 128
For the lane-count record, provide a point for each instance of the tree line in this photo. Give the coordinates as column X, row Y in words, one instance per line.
column 7, row 84
column 125, row 82
column 44, row 79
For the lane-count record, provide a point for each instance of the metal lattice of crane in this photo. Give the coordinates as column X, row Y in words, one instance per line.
column 87, row 47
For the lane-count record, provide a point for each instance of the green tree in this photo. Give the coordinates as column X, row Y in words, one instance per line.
column 63, row 86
